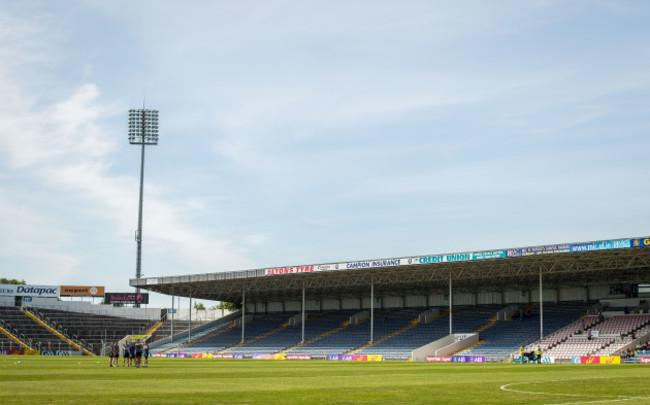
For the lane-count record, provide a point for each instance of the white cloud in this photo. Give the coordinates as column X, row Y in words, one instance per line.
column 63, row 148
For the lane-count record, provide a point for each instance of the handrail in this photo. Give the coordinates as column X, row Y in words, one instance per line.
column 61, row 336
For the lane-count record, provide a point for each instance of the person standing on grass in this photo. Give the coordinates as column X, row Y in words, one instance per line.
column 111, row 355
column 522, row 352
column 125, row 354
column 145, row 353
column 138, row 354
column 538, row 353
column 115, row 353
column 131, row 354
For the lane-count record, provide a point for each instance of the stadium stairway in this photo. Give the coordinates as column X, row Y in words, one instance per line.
column 14, row 338
column 57, row 333
column 210, row 333
column 412, row 324
column 153, row 329
column 317, row 338
column 488, row 325
column 384, row 338
column 256, row 338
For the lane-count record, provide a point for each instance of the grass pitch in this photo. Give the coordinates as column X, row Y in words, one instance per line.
column 88, row 380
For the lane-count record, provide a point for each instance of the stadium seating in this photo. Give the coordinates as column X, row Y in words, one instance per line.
column 92, row 331
column 502, row 340
column 580, row 338
column 89, row 330
column 396, row 332
column 30, row 332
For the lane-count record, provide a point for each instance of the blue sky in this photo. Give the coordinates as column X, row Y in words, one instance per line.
column 316, row 132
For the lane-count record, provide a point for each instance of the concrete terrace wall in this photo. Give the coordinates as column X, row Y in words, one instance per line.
column 109, row 310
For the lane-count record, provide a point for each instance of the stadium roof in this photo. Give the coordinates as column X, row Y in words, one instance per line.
column 621, row 261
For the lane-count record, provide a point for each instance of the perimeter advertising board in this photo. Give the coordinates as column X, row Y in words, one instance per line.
column 235, row 356
column 126, row 298
column 438, row 359
column 604, row 245
column 298, row 356
column 468, row 256
column 455, row 359
column 81, row 291
column 643, row 242
column 354, row 357
column 597, row 360
column 43, row 291
column 269, row 356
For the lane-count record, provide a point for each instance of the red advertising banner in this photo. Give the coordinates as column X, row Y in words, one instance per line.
column 289, row 270
column 590, row 360
column 12, row 352
column 600, row 360
column 644, row 360
column 438, row 359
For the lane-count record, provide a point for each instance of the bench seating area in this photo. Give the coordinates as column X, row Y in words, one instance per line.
column 29, row 331
column 89, row 330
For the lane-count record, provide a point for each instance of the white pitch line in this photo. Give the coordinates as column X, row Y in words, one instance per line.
column 619, row 398
column 600, row 401
column 505, row 388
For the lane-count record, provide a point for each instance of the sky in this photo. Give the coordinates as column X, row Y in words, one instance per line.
column 296, row 132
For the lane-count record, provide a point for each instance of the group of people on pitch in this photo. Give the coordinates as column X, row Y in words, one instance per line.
column 132, row 354
column 534, row 356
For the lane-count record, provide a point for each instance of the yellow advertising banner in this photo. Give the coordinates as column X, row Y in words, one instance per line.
column 81, row 291
column 610, row 360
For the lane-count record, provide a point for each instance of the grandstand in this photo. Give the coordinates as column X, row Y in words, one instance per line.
column 568, row 299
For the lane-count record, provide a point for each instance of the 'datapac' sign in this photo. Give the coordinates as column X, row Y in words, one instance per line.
column 45, row 291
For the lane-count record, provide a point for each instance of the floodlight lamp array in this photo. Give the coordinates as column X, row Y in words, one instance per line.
column 143, row 127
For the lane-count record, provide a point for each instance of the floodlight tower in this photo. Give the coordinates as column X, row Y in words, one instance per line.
column 143, row 130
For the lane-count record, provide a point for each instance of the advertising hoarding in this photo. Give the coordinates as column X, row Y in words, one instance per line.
column 604, row 245
column 438, row 359
column 126, row 298
column 467, row 256
column 298, row 356
column 642, row 242
column 82, row 291
column 43, row 291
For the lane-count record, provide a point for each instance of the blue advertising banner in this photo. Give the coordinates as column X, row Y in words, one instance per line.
column 642, row 242
column 468, row 359
column 545, row 250
column 605, row 245
column 513, row 253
